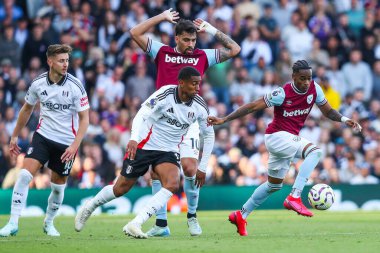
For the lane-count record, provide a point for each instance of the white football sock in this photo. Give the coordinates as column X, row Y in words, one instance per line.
column 20, row 194
column 104, row 196
column 153, row 205
column 54, row 201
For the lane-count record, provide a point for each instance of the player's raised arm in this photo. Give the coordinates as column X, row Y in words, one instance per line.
column 254, row 106
column 334, row 115
column 231, row 48
column 138, row 32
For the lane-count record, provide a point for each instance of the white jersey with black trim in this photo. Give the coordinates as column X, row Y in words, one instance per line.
column 60, row 103
column 163, row 120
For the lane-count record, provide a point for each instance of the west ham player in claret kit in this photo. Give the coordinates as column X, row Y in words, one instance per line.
column 168, row 62
column 292, row 104
column 63, row 122
column 157, row 131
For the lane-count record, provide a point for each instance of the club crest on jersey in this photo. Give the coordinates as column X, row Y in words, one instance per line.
column 30, row 150
column 151, row 103
column 65, row 93
column 289, row 102
column 190, row 115
column 309, row 99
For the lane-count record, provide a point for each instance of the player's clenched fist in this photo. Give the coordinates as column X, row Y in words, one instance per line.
column 212, row 120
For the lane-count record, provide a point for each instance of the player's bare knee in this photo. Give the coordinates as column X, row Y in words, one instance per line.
column 172, row 186
column 189, row 166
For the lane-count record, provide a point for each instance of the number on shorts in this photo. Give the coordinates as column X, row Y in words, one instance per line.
column 194, row 143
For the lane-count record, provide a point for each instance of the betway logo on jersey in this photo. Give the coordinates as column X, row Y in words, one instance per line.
column 296, row 112
column 181, row 59
column 56, row 106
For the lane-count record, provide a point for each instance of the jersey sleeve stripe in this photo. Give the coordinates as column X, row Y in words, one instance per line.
column 324, row 101
column 164, row 94
column 43, row 75
column 267, row 101
column 200, row 101
column 77, row 84
column 149, row 45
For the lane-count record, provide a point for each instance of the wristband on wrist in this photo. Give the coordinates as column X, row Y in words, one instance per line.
column 344, row 119
column 208, row 28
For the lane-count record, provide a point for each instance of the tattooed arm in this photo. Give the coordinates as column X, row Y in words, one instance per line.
column 231, row 48
column 257, row 105
column 334, row 115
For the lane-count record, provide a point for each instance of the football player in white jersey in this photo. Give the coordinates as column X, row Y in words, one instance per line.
column 157, row 131
column 169, row 61
column 57, row 138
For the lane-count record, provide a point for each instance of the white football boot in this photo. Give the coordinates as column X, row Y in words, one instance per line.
column 194, row 227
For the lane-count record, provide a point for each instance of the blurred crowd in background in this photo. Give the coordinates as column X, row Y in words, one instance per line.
column 339, row 38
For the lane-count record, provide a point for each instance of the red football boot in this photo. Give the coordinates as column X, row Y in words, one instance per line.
column 241, row 224
column 296, row 205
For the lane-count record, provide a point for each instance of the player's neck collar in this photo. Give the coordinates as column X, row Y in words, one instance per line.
column 297, row 90
column 60, row 82
column 177, row 99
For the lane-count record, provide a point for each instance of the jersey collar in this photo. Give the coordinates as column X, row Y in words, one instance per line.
column 297, row 90
column 177, row 99
column 61, row 82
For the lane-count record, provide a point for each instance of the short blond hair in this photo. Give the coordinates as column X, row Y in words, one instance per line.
column 58, row 49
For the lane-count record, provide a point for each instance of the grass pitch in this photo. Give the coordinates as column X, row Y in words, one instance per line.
column 269, row 231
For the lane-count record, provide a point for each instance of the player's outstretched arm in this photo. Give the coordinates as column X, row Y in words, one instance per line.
column 334, row 115
column 231, row 48
column 23, row 117
column 257, row 105
column 138, row 32
column 84, row 121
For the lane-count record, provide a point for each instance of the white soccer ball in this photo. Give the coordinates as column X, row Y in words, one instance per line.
column 321, row 196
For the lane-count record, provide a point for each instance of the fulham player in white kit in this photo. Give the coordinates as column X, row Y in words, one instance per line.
column 157, row 132
column 292, row 104
column 169, row 61
column 62, row 125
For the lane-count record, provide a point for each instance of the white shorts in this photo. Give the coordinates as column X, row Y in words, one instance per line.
column 189, row 147
column 283, row 147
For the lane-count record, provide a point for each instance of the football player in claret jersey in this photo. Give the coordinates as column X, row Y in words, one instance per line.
column 168, row 63
column 157, row 130
column 292, row 104
column 62, row 125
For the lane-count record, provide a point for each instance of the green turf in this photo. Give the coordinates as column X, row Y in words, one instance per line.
column 269, row 231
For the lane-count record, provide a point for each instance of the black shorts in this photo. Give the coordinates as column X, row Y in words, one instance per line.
column 144, row 158
column 43, row 150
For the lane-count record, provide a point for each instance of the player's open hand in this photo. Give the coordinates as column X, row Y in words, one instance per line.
column 200, row 179
column 14, row 149
column 69, row 153
column 212, row 120
column 200, row 24
column 131, row 149
column 354, row 125
column 170, row 16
